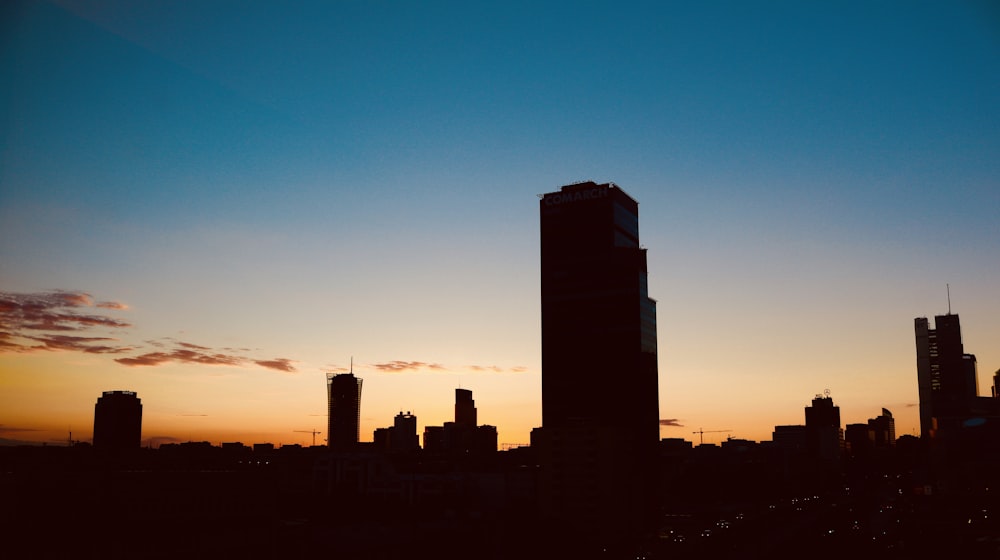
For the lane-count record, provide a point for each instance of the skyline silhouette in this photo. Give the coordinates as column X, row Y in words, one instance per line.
column 214, row 206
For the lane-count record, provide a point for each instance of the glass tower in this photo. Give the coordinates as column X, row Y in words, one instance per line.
column 600, row 406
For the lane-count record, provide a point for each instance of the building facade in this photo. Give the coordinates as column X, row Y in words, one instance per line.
column 600, row 406
column 947, row 377
column 118, row 420
column 343, row 393
column 465, row 408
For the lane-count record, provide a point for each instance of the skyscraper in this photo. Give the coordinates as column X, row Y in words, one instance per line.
column 600, row 406
column 118, row 420
column 947, row 377
column 465, row 408
column 343, row 392
column 823, row 434
column 403, row 436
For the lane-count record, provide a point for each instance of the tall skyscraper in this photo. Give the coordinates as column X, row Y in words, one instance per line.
column 118, row 420
column 947, row 377
column 824, row 437
column 600, row 406
column 403, row 436
column 465, row 408
column 343, row 392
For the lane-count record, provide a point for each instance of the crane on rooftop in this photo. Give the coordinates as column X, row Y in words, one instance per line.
column 313, row 432
column 701, row 433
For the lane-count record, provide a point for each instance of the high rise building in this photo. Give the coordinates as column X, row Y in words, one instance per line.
column 403, row 436
column 343, row 392
column 465, row 408
column 600, row 407
column 883, row 429
column 118, row 420
column 947, row 377
column 824, row 438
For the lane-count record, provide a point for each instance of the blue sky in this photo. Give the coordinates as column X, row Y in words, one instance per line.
column 315, row 180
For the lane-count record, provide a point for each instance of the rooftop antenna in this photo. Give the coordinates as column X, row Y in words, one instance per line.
column 948, row 287
column 352, row 365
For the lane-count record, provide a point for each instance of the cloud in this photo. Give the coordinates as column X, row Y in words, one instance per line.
column 673, row 422
column 88, row 344
column 28, row 323
column 401, row 366
column 175, row 351
column 398, row 366
column 279, row 364
column 4, row 429
column 497, row 369
column 60, row 321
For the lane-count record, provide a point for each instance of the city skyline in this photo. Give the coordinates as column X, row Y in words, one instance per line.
column 235, row 201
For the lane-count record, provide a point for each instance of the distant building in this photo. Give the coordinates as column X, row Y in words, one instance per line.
column 465, row 408
column 462, row 436
column 946, row 376
column 403, row 435
column 883, row 429
column 600, row 409
column 790, row 439
column 118, row 420
column 434, row 440
column 860, row 439
column 824, row 438
column 343, row 393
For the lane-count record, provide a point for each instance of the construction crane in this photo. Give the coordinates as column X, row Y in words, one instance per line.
column 313, row 432
column 701, row 433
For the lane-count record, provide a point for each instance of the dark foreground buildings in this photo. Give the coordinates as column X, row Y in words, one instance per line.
column 599, row 374
column 118, row 420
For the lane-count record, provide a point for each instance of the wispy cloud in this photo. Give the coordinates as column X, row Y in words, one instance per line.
column 399, row 366
column 28, row 323
column 673, row 422
column 4, row 429
column 174, row 351
column 72, row 321
column 404, row 366
column 279, row 364
column 88, row 344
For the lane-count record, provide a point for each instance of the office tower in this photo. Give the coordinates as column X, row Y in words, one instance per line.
column 883, row 429
column 403, row 436
column 600, row 407
column 343, row 392
column 823, row 435
column 117, row 420
column 946, row 376
column 465, row 408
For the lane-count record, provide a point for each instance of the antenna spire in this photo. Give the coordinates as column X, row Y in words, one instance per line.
column 948, row 287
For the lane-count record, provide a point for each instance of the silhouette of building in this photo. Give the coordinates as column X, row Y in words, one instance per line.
column 343, row 393
column 403, row 435
column 824, row 438
column 946, row 376
column 791, row 439
column 465, row 408
column 600, row 410
column 883, row 429
column 462, row 436
column 118, row 420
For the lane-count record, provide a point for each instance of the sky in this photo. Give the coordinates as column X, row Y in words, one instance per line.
column 213, row 204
